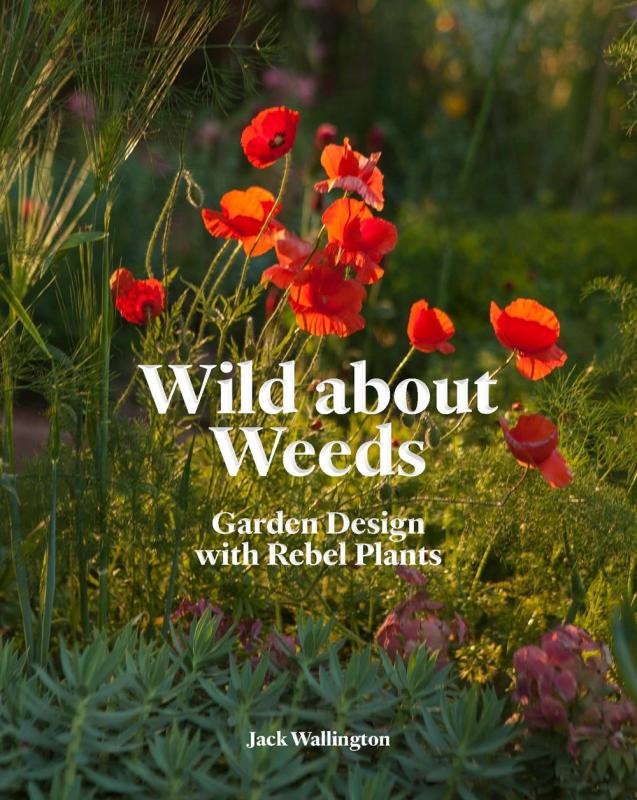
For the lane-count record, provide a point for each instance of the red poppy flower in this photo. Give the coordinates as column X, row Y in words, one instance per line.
column 352, row 172
column 269, row 136
column 242, row 216
column 531, row 330
column 430, row 329
column 120, row 282
column 144, row 300
column 358, row 238
column 292, row 254
column 534, row 442
column 326, row 302
column 272, row 299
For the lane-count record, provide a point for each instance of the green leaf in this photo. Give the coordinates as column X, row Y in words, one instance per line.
column 9, row 296
column 624, row 630
column 78, row 238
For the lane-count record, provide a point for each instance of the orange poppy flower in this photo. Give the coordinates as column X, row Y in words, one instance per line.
column 430, row 329
column 352, row 172
column 292, row 254
column 269, row 136
column 531, row 330
column 533, row 442
column 242, row 216
column 143, row 300
column 121, row 281
column 325, row 302
column 358, row 238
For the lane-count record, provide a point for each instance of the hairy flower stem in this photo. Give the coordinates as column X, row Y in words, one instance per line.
column 401, row 366
column 164, row 216
column 202, row 286
column 51, row 547
column 578, row 600
column 78, row 494
column 182, row 508
column 104, row 421
column 17, row 543
column 474, row 396
column 284, row 180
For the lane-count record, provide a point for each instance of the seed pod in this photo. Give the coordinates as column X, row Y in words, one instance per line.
column 249, row 347
column 432, row 436
column 408, row 420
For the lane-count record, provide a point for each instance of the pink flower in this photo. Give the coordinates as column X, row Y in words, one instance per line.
column 411, row 575
column 280, row 649
column 415, row 623
column 562, row 686
column 82, row 105
column 290, row 85
column 208, row 132
column 325, row 134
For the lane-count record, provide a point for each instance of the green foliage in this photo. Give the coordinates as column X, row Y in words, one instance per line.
column 625, row 647
column 138, row 719
column 623, row 54
column 546, row 254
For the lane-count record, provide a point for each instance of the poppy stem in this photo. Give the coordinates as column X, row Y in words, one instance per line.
column 400, row 367
column 475, row 394
column 266, row 222
column 204, row 283
column 282, row 300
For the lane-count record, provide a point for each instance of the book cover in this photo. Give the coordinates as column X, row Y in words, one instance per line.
column 318, row 333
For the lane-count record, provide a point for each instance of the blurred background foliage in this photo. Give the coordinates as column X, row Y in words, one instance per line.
column 503, row 126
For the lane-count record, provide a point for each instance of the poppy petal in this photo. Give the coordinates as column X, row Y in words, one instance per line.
column 322, row 325
column 369, row 272
column 429, row 329
column 351, row 171
column 216, row 224
column 539, row 365
column 532, row 440
column 378, row 236
column 555, row 471
column 525, row 325
column 269, row 136
column 446, row 348
column 257, row 248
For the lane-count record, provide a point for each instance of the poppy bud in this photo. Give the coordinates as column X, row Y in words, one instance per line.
column 325, row 134
column 517, row 406
column 271, row 302
column 432, row 436
column 316, row 425
column 375, row 139
column 316, row 203
column 386, row 492
column 249, row 348
column 408, row 420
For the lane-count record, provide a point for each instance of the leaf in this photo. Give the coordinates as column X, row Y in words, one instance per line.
column 624, row 629
column 9, row 296
column 78, row 238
